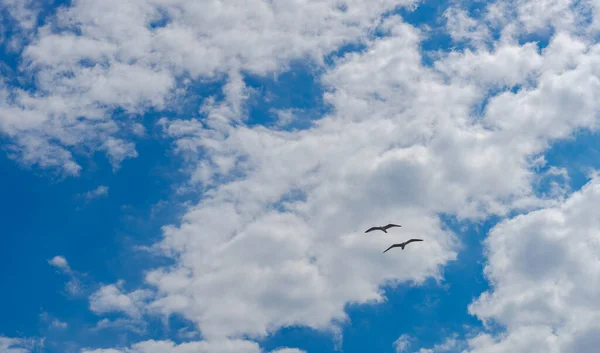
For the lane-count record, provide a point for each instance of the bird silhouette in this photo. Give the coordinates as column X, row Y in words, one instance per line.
column 402, row 245
column 384, row 228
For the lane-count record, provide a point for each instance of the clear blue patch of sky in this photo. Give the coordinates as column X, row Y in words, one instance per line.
column 197, row 90
column 579, row 155
column 43, row 217
column 542, row 38
column 161, row 21
column 298, row 89
column 354, row 47
column 429, row 13
column 478, row 110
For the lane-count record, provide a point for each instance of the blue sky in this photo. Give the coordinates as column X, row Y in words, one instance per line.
column 152, row 176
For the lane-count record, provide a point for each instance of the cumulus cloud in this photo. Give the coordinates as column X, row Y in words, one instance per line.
column 290, row 211
column 462, row 27
column 277, row 238
column 110, row 298
column 430, row 156
column 139, row 56
column 543, row 268
column 541, row 265
column 61, row 263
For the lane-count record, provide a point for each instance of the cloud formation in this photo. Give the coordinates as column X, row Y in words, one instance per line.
column 285, row 230
column 111, row 299
column 100, row 191
column 277, row 238
column 140, row 55
column 230, row 346
column 15, row 345
column 402, row 138
column 74, row 285
column 543, row 267
column 61, row 263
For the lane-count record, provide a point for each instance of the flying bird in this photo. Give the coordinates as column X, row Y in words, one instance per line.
column 402, row 245
column 384, row 228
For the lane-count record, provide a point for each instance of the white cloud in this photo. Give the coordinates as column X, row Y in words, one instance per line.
column 450, row 345
column 100, row 191
column 119, row 150
column 402, row 143
column 402, row 343
column 121, row 60
column 285, row 116
column 227, row 346
column 15, row 345
column 462, row 27
column 61, row 263
column 53, row 322
column 288, row 350
column 22, row 16
column 121, row 324
column 59, row 324
column 74, row 285
column 277, row 239
column 543, row 267
column 110, row 298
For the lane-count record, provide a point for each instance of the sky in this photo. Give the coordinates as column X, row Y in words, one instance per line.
column 196, row 176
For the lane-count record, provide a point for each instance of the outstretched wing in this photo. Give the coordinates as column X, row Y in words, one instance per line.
column 372, row 229
column 410, row 241
column 393, row 246
column 391, row 225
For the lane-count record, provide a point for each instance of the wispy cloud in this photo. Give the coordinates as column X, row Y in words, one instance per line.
column 449, row 345
column 137, row 326
column 74, row 285
column 100, row 191
column 402, row 344
column 18, row 345
column 53, row 322
column 59, row 324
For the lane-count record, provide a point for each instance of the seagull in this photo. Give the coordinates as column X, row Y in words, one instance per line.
column 402, row 245
column 384, row 228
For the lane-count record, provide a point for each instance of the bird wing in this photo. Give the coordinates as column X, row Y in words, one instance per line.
column 392, row 225
column 410, row 241
column 372, row 228
column 393, row 246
